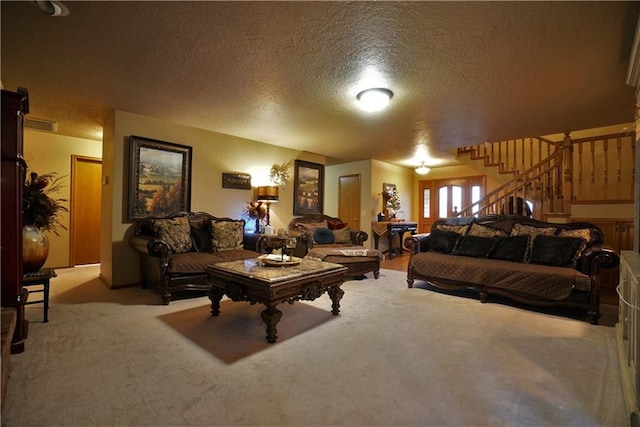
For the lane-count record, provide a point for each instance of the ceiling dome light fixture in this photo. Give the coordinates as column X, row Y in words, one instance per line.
column 422, row 169
column 52, row 8
column 374, row 99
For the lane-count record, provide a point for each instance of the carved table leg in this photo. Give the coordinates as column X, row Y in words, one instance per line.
column 271, row 316
column 336, row 295
column 215, row 295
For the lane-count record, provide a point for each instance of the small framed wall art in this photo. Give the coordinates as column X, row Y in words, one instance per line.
column 240, row 181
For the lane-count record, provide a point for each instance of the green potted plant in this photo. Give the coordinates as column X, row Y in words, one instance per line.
column 40, row 213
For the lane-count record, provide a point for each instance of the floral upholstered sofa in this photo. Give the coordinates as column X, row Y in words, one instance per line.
column 530, row 261
column 175, row 250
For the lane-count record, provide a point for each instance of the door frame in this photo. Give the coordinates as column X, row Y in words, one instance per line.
column 72, row 222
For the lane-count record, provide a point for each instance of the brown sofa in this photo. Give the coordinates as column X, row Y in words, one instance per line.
column 344, row 245
column 529, row 261
column 175, row 250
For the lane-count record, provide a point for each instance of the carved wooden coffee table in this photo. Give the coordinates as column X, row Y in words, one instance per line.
column 250, row 280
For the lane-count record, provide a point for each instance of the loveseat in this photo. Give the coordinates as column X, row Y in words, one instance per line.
column 330, row 239
column 527, row 260
column 175, row 250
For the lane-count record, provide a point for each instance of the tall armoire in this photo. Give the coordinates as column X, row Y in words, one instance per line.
column 14, row 106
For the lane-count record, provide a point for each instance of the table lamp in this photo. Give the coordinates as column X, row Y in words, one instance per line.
column 267, row 195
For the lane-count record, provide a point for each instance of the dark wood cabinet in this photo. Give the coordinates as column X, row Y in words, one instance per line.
column 13, row 169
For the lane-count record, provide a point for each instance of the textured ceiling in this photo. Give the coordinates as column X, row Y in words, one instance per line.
column 287, row 73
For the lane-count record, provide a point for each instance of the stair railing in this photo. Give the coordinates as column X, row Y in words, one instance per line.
column 511, row 156
column 592, row 169
column 540, row 185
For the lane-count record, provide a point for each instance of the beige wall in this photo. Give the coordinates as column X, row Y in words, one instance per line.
column 382, row 173
column 49, row 152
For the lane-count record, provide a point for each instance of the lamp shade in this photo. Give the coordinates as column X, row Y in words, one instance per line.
column 267, row 194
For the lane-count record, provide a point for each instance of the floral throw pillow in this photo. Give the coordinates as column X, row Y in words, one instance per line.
column 227, row 235
column 584, row 233
column 342, row 235
column 485, row 231
column 529, row 230
column 176, row 232
column 460, row 229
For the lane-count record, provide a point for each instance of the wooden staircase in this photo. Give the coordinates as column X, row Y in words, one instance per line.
column 510, row 157
column 551, row 175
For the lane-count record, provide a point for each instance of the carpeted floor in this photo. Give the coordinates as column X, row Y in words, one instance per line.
column 394, row 356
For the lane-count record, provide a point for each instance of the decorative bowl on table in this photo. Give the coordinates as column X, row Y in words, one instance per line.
column 277, row 260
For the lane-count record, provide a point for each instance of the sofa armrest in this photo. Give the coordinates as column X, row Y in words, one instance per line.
column 359, row 237
column 595, row 258
column 305, row 241
column 152, row 246
column 141, row 244
column 417, row 243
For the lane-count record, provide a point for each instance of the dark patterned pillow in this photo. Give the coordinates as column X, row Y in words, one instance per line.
column 556, row 251
column 475, row 246
column 443, row 241
column 323, row 236
column 227, row 235
column 342, row 235
column 176, row 232
column 201, row 239
column 513, row 248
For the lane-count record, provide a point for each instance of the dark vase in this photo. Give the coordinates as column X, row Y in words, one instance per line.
column 35, row 248
column 257, row 230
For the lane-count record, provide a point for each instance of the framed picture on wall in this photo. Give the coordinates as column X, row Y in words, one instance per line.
column 159, row 178
column 308, row 188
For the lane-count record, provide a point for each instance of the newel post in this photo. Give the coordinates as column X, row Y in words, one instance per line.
column 567, row 173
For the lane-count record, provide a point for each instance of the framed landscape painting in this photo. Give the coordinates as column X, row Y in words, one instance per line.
column 308, row 188
column 159, row 178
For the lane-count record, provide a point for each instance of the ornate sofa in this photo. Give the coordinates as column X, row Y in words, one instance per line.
column 529, row 261
column 175, row 250
column 332, row 240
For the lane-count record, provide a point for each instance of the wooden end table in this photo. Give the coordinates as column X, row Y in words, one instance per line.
column 250, row 280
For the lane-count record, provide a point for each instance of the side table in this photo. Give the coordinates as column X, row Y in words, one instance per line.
column 392, row 229
column 42, row 278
